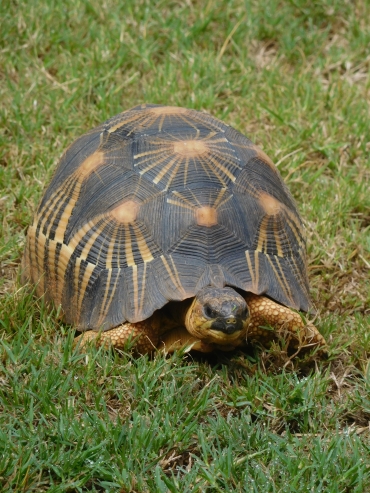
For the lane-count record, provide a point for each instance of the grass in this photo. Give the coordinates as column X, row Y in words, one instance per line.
column 294, row 77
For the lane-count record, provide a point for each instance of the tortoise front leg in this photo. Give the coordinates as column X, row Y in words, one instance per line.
column 146, row 333
column 285, row 323
column 179, row 338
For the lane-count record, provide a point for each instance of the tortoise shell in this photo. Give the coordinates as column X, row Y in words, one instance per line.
column 155, row 204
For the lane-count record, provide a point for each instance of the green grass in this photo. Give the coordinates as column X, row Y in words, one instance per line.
column 294, row 77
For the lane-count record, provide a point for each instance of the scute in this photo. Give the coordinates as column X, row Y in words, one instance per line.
column 153, row 205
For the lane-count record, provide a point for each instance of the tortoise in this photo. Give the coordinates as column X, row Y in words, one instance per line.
column 169, row 227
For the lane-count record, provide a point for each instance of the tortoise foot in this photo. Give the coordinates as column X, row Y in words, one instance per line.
column 145, row 334
column 180, row 338
column 270, row 321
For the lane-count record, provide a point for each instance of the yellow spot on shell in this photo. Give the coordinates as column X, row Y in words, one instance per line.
column 190, row 148
column 126, row 212
column 91, row 163
column 206, row 216
column 270, row 205
column 168, row 110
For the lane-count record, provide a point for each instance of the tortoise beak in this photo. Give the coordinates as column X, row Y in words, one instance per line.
column 227, row 325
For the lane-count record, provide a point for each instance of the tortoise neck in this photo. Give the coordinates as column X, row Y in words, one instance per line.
column 175, row 314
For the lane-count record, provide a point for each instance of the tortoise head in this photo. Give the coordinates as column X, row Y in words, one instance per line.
column 218, row 316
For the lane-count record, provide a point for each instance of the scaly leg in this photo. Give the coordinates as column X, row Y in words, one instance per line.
column 146, row 332
column 285, row 323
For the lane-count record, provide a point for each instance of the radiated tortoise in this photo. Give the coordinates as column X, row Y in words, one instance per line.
column 168, row 226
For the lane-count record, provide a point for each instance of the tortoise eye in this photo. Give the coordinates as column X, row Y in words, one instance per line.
column 209, row 312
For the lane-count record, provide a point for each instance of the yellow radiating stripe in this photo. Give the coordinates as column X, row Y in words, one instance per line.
column 103, row 311
column 184, row 199
column 223, row 202
column 250, row 267
column 301, row 279
column 209, row 170
column 113, row 290
column 276, row 236
column 262, row 236
column 112, row 244
column 251, row 190
column 58, row 282
column 59, row 237
column 282, row 284
column 225, row 156
column 173, row 174
column 154, row 151
column 174, row 277
column 294, row 218
column 244, row 146
column 102, row 244
column 154, row 161
column 50, row 206
column 287, row 241
column 64, row 257
column 215, row 141
column 153, row 165
column 195, row 199
column 136, row 289
column 295, row 231
column 128, row 247
column 49, row 218
column 190, row 123
column 67, row 251
column 212, row 134
column 142, row 124
column 161, row 120
column 77, row 237
column 180, row 287
column 257, row 268
column 133, row 118
column 282, row 275
column 284, row 279
column 89, row 269
column 224, row 153
column 164, row 170
column 143, row 285
column 209, row 158
column 295, row 224
column 52, row 280
column 68, row 205
column 180, row 204
column 141, row 243
column 89, row 226
column 63, row 223
column 186, row 169
column 222, row 150
column 62, row 226
column 221, row 193
column 221, row 167
column 259, row 153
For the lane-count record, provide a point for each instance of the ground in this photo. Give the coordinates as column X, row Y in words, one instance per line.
column 293, row 77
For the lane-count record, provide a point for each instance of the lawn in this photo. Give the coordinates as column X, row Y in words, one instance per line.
column 293, row 76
